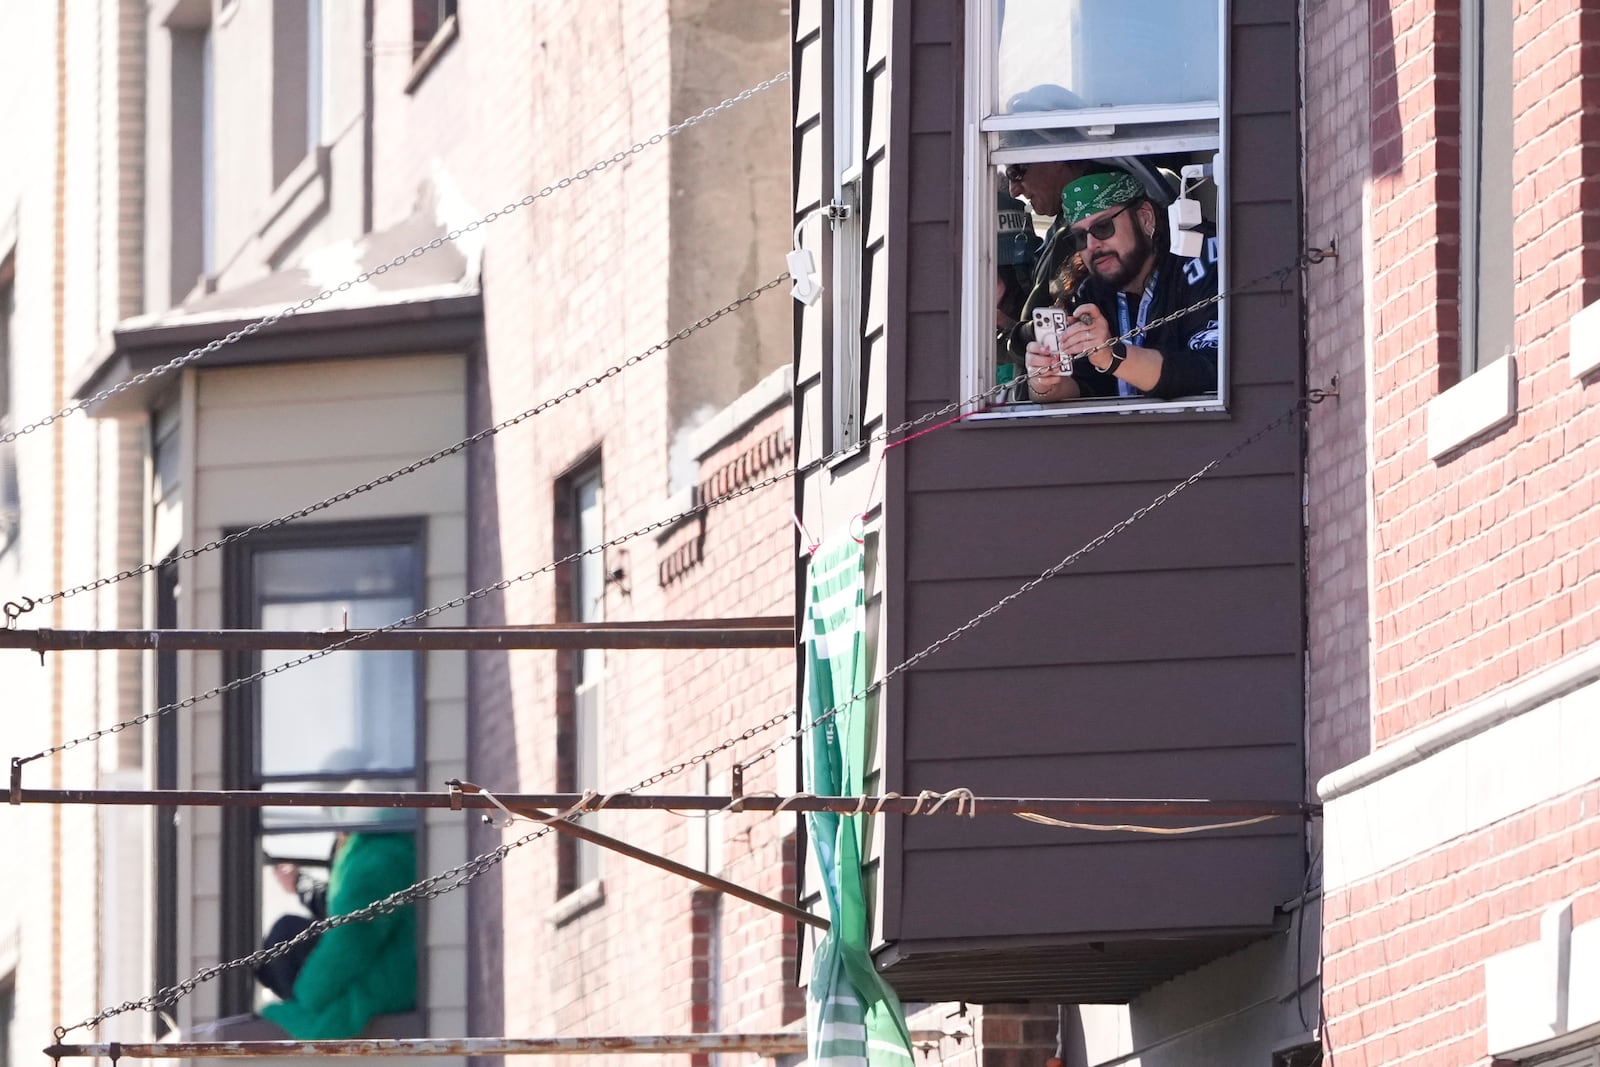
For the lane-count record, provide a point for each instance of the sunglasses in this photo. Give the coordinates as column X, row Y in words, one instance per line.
column 1015, row 171
column 1100, row 229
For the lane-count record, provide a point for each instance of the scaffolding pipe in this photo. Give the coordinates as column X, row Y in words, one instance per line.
column 954, row 802
column 770, row 1044
column 759, row 632
column 693, row 874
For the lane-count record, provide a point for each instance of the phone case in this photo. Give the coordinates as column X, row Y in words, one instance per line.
column 1048, row 325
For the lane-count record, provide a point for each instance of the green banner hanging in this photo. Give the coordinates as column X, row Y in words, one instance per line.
column 853, row 1017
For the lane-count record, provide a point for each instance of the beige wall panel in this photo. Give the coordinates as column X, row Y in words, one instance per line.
column 878, row 100
column 808, row 401
column 878, row 31
column 407, row 427
column 809, row 369
column 359, row 378
column 240, row 496
column 808, row 176
column 447, row 680
column 875, row 355
column 807, row 17
column 808, row 86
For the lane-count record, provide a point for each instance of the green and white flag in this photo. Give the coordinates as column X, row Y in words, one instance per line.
column 853, row 1018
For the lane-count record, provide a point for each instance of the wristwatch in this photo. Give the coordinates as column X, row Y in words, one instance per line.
column 1119, row 352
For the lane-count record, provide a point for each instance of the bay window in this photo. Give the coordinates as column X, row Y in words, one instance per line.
column 1121, row 107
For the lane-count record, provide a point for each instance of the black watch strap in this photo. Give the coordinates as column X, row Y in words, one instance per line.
column 1119, row 352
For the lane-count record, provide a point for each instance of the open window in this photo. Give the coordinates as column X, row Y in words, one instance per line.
column 1120, row 107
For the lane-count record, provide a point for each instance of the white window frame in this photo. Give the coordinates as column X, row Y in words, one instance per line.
column 844, row 217
column 982, row 156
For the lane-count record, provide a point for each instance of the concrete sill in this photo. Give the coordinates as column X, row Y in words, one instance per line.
column 1472, row 407
column 580, row 901
column 448, row 31
column 1583, row 341
column 298, row 198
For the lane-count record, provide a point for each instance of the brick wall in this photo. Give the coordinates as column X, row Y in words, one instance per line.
column 1404, row 952
column 1484, row 563
column 577, row 283
column 1337, row 69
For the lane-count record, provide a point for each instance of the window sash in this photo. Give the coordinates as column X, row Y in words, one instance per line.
column 1141, row 130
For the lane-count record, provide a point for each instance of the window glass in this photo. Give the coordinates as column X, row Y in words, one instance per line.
column 1101, row 238
column 349, row 711
column 346, row 721
column 588, row 606
column 1069, row 54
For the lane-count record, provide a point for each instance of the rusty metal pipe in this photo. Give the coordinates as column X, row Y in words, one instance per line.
column 891, row 804
column 771, row 1044
column 710, row 881
column 765, row 632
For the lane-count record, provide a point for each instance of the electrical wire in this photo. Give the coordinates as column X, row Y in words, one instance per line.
column 383, row 268
column 15, row 609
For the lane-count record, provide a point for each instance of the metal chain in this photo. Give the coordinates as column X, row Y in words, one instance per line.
column 383, row 268
column 1280, row 275
column 427, row 613
column 1026, row 587
column 464, row 874
column 17, row 608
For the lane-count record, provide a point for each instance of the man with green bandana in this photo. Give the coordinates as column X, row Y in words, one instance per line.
column 1129, row 280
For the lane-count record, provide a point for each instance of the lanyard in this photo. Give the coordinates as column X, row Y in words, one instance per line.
column 1125, row 328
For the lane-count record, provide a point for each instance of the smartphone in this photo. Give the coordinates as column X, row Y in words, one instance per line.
column 1048, row 325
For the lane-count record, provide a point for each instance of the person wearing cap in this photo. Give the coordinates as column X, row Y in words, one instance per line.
column 1041, row 185
column 1128, row 281
column 1016, row 255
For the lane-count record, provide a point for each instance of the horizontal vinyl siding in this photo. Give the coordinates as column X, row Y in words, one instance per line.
column 271, row 439
column 1168, row 663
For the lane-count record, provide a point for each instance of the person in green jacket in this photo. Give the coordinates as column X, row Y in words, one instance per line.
column 360, row 969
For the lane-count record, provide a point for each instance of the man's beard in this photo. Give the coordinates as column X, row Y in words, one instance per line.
column 1127, row 268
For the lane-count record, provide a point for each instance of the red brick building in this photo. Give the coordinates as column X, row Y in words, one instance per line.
column 1454, row 596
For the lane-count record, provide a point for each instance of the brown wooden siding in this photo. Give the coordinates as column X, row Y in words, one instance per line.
column 1167, row 664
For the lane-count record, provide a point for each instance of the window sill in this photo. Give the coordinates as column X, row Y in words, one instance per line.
column 298, row 198
column 580, row 901
column 1472, row 407
column 447, row 33
column 1109, row 410
column 1583, row 341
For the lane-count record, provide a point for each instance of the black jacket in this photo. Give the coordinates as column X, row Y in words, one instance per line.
column 1188, row 345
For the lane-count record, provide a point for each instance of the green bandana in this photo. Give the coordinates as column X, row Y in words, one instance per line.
column 1096, row 192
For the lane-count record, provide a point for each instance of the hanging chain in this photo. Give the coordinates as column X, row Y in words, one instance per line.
column 17, row 608
column 404, row 257
column 1026, row 587
column 464, row 874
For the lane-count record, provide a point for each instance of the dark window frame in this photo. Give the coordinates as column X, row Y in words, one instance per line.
column 435, row 24
column 572, row 855
column 1486, row 282
column 241, row 827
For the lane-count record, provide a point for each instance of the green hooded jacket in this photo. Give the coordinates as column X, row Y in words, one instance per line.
column 360, row 969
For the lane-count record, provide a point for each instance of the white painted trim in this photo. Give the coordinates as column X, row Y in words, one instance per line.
column 769, row 393
column 1478, row 717
column 1543, row 997
column 1583, row 341
column 1510, row 754
column 1472, row 406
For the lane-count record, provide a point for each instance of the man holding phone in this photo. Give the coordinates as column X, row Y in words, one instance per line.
column 1130, row 281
